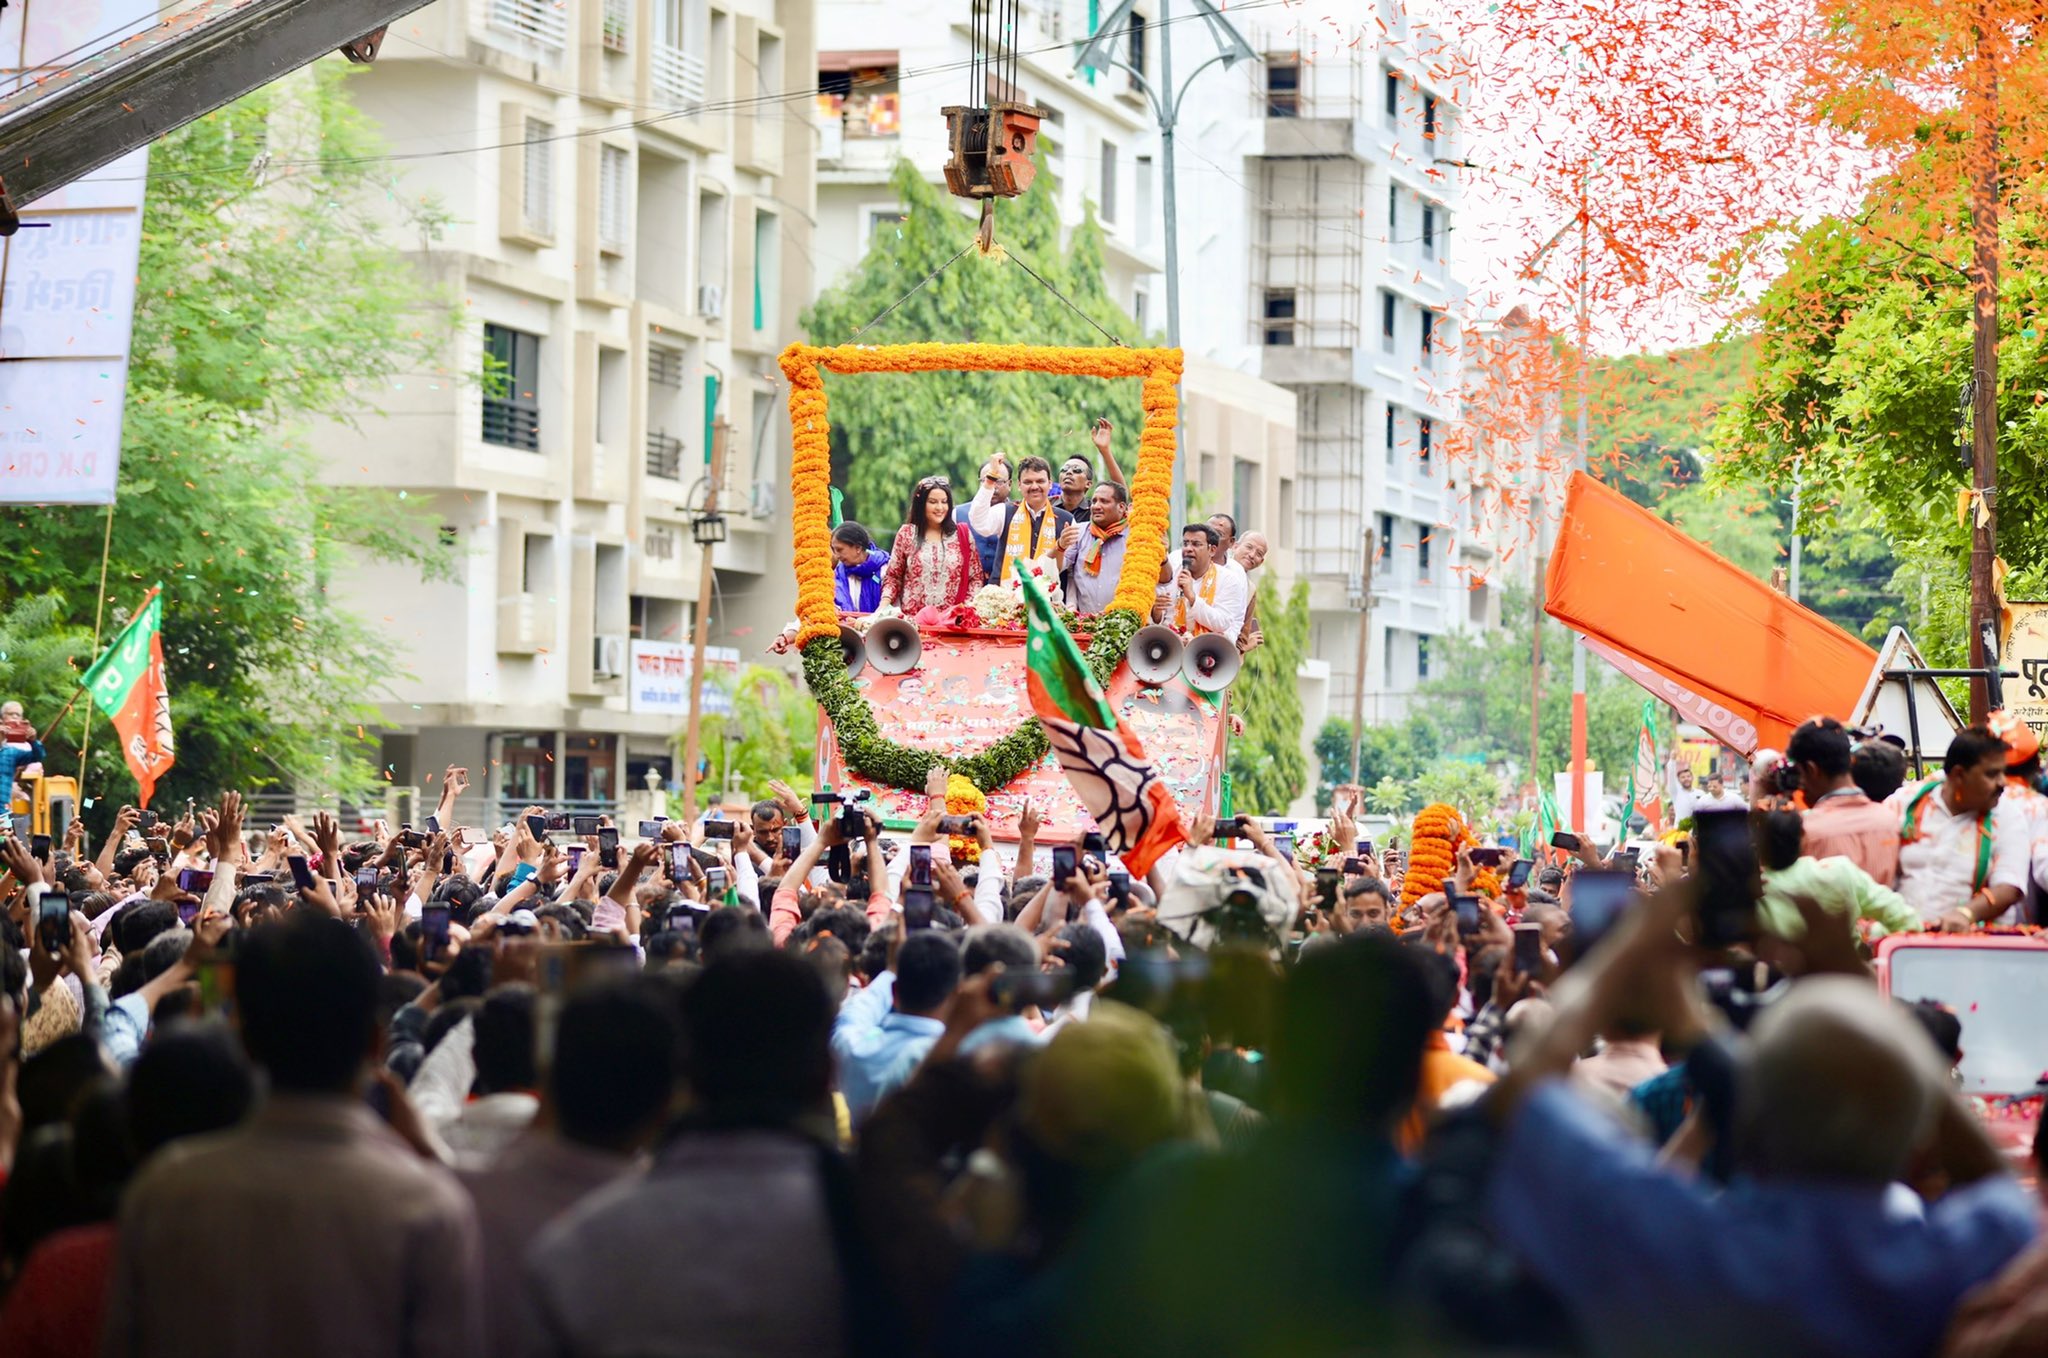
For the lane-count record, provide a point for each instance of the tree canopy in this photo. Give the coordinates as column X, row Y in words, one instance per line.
column 1267, row 768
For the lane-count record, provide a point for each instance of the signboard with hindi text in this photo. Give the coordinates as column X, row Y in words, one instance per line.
column 658, row 678
column 2024, row 651
column 67, row 285
column 968, row 692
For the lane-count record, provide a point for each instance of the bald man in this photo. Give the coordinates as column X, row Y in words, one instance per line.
column 1817, row 1246
column 1250, row 554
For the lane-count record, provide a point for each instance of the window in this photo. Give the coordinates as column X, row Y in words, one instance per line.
column 1243, row 488
column 1428, row 332
column 1279, row 312
column 614, row 192
column 1389, row 316
column 1283, row 87
column 1144, row 222
column 1428, row 231
column 1386, row 535
column 1423, row 429
column 511, row 384
column 1106, row 203
column 1429, row 117
column 766, row 270
column 886, row 222
column 1283, row 518
column 1390, row 433
column 537, row 181
column 1422, row 655
column 1422, row 555
column 1138, row 309
column 1393, row 99
column 1393, row 213
column 661, row 544
column 1134, row 45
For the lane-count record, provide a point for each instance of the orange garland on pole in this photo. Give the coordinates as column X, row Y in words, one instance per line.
column 811, row 460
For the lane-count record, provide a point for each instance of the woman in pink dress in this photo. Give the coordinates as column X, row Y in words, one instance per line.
column 933, row 563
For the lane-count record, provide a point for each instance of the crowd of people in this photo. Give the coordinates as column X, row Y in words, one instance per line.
column 1078, row 525
column 792, row 1082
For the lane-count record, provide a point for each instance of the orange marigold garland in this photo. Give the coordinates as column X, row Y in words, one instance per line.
column 963, row 798
column 1486, row 882
column 1433, row 851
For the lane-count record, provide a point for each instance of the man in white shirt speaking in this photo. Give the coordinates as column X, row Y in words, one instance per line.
column 1963, row 857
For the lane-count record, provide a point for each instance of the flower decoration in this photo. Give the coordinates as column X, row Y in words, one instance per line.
column 997, row 606
column 861, row 743
column 1433, row 856
column 963, row 798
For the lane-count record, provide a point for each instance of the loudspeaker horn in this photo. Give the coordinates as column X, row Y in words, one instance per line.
column 1212, row 662
column 893, row 646
column 1155, row 654
column 852, row 650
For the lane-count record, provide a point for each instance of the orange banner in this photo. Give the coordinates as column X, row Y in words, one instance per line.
column 1695, row 630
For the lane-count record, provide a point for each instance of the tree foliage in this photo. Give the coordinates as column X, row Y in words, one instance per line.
column 266, row 303
column 771, row 732
column 890, row 430
column 1267, row 768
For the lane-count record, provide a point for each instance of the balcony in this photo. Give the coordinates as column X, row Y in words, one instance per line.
column 664, row 455
column 511, row 424
column 677, row 76
column 526, row 624
column 544, row 23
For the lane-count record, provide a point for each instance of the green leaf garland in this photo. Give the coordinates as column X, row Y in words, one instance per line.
column 873, row 756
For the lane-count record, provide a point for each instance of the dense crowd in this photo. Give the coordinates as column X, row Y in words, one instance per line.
column 791, row 1082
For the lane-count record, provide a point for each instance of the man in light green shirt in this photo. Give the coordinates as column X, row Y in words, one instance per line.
column 1835, row 884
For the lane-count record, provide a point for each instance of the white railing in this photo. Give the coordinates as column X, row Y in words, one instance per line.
column 545, row 22
column 678, row 76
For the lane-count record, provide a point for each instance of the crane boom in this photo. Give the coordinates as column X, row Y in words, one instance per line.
column 61, row 127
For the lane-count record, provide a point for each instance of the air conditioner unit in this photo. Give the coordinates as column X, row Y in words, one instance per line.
column 710, row 301
column 608, row 659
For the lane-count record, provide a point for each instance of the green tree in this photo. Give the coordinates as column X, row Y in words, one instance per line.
column 41, row 656
column 1332, row 749
column 1267, row 767
column 267, row 303
column 889, row 430
column 1472, row 788
column 771, row 732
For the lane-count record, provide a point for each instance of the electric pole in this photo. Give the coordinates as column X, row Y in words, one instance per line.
column 692, row 740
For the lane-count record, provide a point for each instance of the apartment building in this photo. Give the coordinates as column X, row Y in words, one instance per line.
column 626, row 222
column 887, row 67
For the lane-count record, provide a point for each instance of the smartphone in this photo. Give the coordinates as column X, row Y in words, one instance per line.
column 366, row 881
column 435, row 917
column 920, row 865
column 917, row 908
column 1354, row 867
column 1518, row 873
column 53, row 921
column 1466, row 908
column 792, row 841
column 160, row 849
column 1015, row 990
column 1062, row 866
column 258, row 878
column 1489, row 857
column 1094, row 843
column 1730, row 883
column 720, row 829
column 682, row 918
column 608, row 847
column 1119, row 889
column 1566, row 840
column 411, row 838
column 1598, row 898
column 302, row 875
column 680, row 861
column 216, row 984
column 196, row 880
column 1528, row 948
column 1329, row 882
column 149, row 822
column 433, row 825
column 1283, row 844
column 188, row 911
column 1626, row 862
column 39, row 847
column 1365, row 848
column 716, row 879
column 651, row 829
column 956, row 825
column 575, row 858
column 537, row 826
column 560, row 820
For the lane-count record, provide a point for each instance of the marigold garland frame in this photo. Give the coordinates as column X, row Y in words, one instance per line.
column 861, row 743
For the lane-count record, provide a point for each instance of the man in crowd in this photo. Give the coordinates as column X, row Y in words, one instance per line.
column 1718, row 796
column 1227, row 560
column 1208, row 600
column 995, row 482
column 1840, row 820
column 312, row 1229
column 1963, row 858
column 2022, row 799
column 1095, row 551
column 1250, row 553
column 1026, row 532
column 1684, row 795
column 884, row 1032
column 1077, row 475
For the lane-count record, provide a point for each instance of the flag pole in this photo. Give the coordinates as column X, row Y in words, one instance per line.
column 99, row 612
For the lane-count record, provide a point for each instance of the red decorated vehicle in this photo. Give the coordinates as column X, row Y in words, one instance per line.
column 1995, row 982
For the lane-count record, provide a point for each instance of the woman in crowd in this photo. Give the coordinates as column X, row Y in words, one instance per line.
column 933, row 564
column 857, row 572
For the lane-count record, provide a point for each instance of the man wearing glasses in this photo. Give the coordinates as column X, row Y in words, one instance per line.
column 995, row 482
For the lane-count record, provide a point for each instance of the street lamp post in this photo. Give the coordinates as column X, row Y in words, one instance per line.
column 1096, row 55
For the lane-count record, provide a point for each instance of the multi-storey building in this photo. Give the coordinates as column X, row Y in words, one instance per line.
column 625, row 219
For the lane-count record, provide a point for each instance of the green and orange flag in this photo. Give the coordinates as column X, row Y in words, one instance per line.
column 127, row 684
column 1109, row 769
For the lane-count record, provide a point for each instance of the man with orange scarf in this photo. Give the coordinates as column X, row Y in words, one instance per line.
column 1095, row 553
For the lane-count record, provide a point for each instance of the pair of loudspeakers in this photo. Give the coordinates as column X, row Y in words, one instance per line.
column 892, row 646
column 1208, row 662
